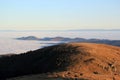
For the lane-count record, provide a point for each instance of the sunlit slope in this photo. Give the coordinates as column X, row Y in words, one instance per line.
column 77, row 60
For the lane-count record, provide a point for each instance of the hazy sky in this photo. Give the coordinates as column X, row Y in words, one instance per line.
column 59, row 14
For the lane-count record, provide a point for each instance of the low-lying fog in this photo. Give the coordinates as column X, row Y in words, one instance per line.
column 9, row 45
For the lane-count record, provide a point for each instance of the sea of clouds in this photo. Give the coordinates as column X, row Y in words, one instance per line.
column 8, row 43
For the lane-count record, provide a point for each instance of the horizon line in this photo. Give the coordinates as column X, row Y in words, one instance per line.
column 65, row 30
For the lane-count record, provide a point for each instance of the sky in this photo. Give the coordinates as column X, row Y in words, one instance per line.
column 59, row 14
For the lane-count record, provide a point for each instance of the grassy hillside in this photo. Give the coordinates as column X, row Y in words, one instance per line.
column 72, row 60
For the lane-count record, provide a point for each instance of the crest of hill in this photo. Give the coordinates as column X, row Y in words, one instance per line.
column 79, row 58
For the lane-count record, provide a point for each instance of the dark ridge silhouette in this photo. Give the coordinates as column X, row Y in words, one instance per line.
column 43, row 60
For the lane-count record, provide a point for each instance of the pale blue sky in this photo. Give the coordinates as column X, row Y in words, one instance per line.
column 59, row 14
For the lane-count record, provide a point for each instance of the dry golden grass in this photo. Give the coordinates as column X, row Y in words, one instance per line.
column 94, row 62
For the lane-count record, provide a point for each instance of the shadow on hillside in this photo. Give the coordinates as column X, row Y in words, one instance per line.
column 48, row 59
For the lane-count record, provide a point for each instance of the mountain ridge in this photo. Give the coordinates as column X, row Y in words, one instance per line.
column 87, row 61
column 66, row 39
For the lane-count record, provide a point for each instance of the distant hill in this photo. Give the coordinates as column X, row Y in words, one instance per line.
column 28, row 38
column 71, row 61
column 65, row 39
